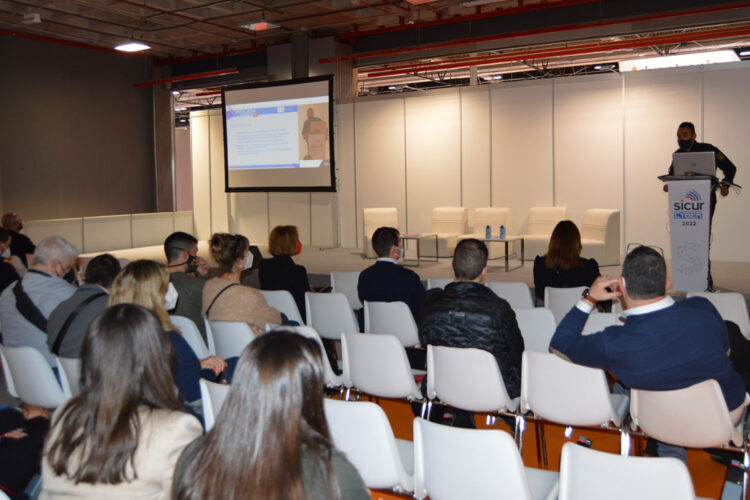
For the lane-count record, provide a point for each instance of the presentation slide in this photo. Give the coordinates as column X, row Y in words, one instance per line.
column 277, row 136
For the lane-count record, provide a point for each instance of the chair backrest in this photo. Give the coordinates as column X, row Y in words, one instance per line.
column 392, row 318
column 191, row 334
column 8, row 375
column 346, row 282
column 468, row 379
column 542, row 220
column 330, row 314
column 561, row 300
column 587, row 474
column 438, row 282
column 69, row 370
column 732, row 307
column 598, row 322
column 212, row 399
column 517, row 294
column 374, row 218
column 362, row 432
column 34, row 381
column 450, row 220
column 451, row 463
column 600, row 224
column 283, row 301
column 377, row 365
column 209, row 338
column 566, row 393
column 694, row 417
column 332, row 380
column 537, row 327
column 493, row 217
column 231, row 337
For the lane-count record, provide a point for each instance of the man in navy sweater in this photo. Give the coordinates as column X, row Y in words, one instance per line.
column 663, row 344
column 387, row 280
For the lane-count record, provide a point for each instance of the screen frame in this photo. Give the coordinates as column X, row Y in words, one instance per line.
column 303, row 189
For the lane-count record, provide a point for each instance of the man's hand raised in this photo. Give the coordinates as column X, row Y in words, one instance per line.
column 598, row 289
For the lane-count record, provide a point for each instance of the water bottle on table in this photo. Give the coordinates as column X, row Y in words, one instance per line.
column 488, row 232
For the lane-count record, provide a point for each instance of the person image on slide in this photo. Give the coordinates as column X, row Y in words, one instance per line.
column 307, row 126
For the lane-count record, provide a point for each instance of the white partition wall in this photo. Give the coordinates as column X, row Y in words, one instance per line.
column 151, row 229
column 475, row 150
column 106, row 233
column 70, row 229
column 346, row 195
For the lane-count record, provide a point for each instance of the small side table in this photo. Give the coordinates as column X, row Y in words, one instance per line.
column 506, row 240
column 418, row 237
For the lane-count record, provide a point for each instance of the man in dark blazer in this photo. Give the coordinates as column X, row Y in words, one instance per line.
column 387, row 280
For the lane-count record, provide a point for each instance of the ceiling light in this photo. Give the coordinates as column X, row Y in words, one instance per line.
column 719, row 56
column 745, row 53
column 391, row 87
column 132, row 47
column 261, row 25
column 497, row 77
column 180, row 109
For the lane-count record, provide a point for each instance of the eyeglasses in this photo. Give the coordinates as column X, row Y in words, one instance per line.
column 633, row 246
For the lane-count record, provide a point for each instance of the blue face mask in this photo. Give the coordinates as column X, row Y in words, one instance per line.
column 684, row 144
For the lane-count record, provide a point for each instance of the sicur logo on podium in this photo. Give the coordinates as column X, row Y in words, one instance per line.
column 689, row 207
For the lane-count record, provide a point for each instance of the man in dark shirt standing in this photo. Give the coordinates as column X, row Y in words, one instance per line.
column 20, row 245
column 8, row 273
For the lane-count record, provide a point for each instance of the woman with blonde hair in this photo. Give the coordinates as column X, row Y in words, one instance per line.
column 224, row 297
column 562, row 266
column 146, row 283
column 280, row 272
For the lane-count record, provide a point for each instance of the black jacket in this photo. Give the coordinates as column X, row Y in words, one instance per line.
column 468, row 314
column 582, row 275
column 281, row 273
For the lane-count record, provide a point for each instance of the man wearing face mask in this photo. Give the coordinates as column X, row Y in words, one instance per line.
column 21, row 245
column 187, row 273
column 26, row 305
column 387, row 280
column 8, row 273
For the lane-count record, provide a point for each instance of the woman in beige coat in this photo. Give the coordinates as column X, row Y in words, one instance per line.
column 121, row 437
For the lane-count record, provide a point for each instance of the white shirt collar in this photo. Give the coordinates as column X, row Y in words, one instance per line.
column 667, row 301
column 387, row 259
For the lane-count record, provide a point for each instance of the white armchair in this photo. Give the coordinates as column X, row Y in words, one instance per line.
column 374, row 218
column 494, row 217
column 542, row 221
column 450, row 224
column 600, row 236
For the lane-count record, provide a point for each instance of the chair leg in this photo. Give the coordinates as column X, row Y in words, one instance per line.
column 518, row 434
column 348, row 392
column 745, row 464
column 544, row 444
column 624, row 443
column 538, row 436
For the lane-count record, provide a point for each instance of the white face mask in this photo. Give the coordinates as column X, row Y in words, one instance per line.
column 249, row 262
column 6, row 253
column 170, row 298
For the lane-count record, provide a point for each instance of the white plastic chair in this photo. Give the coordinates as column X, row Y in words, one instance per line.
column 377, row 365
column 569, row 394
column 452, row 463
column 212, row 399
column 587, row 474
column 517, row 294
column 542, row 221
column 209, row 338
column 191, row 334
column 8, row 375
column 231, row 337
column 438, row 282
column 362, row 432
column 598, row 322
column 449, row 223
column 332, row 380
column 346, row 282
column 33, row 379
column 600, row 236
column 283, row 301
column 392, row 318
column 69, row 371
column 731, row 306
column 561, row 300
column 330, row 314
column 537, row 327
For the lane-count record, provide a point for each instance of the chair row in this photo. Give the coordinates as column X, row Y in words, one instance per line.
column 600, row 231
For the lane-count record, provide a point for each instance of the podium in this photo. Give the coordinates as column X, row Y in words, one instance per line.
column 689, row 223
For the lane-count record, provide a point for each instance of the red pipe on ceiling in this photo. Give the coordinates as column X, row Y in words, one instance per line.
column 188, row 77
column 454, row 43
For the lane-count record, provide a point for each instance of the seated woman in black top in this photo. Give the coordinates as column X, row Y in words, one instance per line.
column 280, row 272
column 562, row 265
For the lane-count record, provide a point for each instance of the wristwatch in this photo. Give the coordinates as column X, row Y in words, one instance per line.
column 586, row 296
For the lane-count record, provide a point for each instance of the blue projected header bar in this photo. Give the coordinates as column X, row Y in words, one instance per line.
column 233, row 112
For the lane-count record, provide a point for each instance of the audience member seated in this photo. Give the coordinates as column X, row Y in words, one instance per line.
column 562, row 266
column 280, row 272
column 21, row 245
column 122, row 435
column 224, row 298
column 663, row 345
column 387, row 280
column 22, row 432
column 271, row 438
column 26, row 306
column 468, row 314
column 71, row 318
column 8, row 273
column 188, row 273
column 146, row 283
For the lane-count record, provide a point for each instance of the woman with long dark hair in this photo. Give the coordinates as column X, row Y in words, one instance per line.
column 562, row 266
column 271, row 439
column 122, row 435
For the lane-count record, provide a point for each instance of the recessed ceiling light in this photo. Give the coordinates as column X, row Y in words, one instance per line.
column 261, row 25
column 132, row 47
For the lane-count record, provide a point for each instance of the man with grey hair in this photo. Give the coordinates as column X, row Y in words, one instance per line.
column 26, row 305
